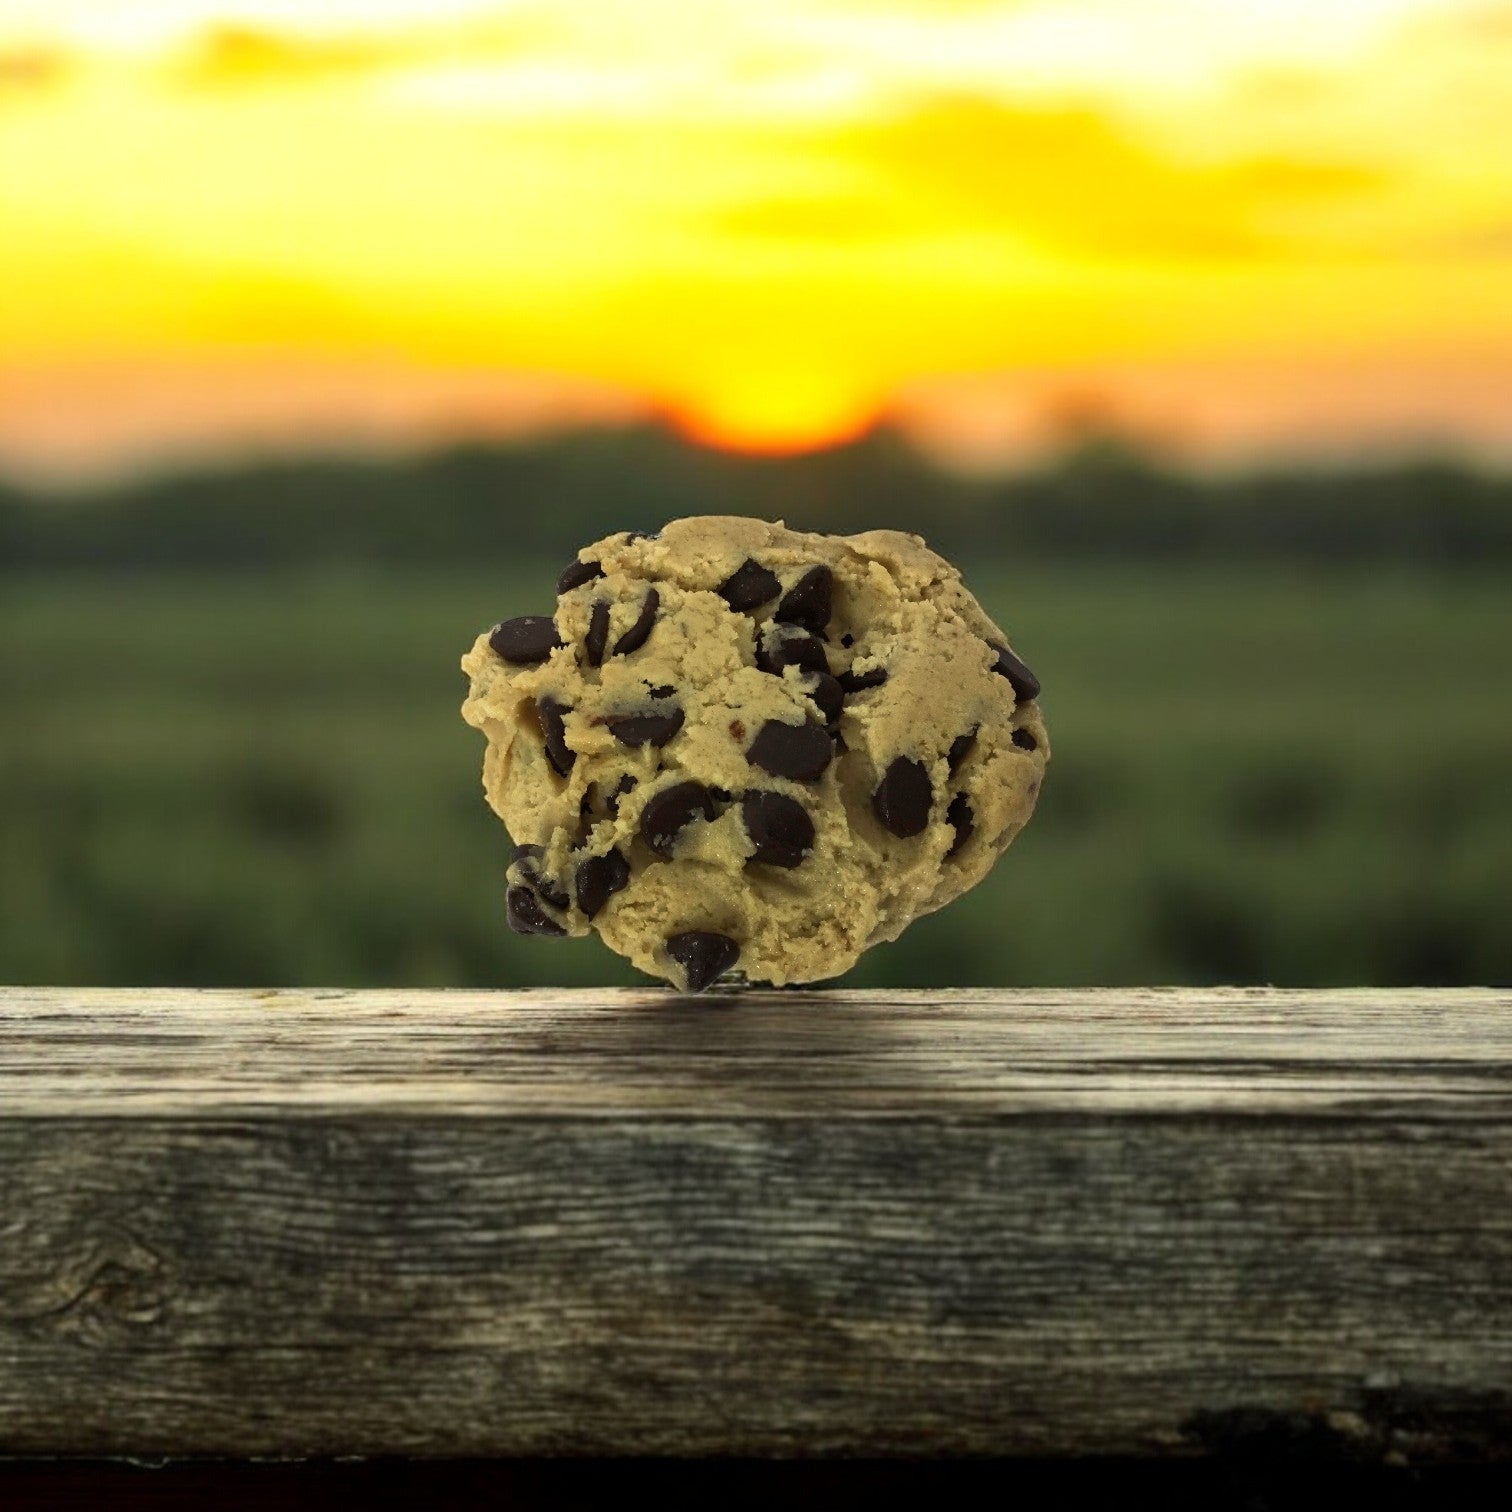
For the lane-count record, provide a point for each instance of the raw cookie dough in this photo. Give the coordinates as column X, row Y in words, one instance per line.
column 738, row 745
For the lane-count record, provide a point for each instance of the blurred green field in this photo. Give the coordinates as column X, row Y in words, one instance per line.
column 1259, row 775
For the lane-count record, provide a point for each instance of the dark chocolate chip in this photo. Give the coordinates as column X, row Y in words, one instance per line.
column 779, row 651
column 847, row 641
column 960, row 749
column 856, row 682
column 903, row 797
column 779, row 827
column 527, row 863
column 828, row 694
column 798, row 751
column 1024, row 740
column 626, row 784
column 599, row 878
column 666, row 813
column 807, row 602
column 530, row 638
column 635, row 637
column 646, row 729
column 598, row 633
column 528, row 859
column 749, row 586
column 962, row 821
column 558, row 752
column 575, row 574
column 665, row 691
column 720, row 795
column 1025, row 684
column 702, row 955
column 531, row 871
column 526, row 916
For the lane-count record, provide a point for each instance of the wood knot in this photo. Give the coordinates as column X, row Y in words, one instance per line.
column 108, row 1283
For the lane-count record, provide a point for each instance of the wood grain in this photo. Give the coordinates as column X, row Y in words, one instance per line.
column 623, row 1222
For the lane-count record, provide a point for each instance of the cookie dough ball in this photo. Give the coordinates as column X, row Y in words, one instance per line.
column 738, row 745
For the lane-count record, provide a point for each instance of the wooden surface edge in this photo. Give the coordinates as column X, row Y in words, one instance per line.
column 632, row 1052
column 1164, row 1224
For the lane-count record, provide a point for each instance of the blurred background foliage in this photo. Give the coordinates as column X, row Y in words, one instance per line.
column 230, row 749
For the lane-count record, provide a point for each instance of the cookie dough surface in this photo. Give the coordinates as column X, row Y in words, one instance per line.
column 738, row 745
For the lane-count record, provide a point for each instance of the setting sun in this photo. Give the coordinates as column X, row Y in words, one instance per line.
column 270, row 223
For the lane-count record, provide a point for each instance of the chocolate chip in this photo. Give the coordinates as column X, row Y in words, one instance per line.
column 525, row 914
column 528, row 859
column 625, row 785
column 798, row 751
column 646, row 729
column 856, row 682
column 960, row 749
column 666, row 813
column 1025, row 684
column 635, row 637
column 720, row 795
column 558, row 752
column 807, row 602
column 632, row 536
column 575, row 574
column 530, row 638
column 847, row 641
column 1024, row 740
column 749, row 586
column 903, row 797
column 702, row 955
column 598, row 632
column 960, row 816
column 779, row 651
column 779, row 827
column 599, row 878
column 665, row 691
column 828, row 694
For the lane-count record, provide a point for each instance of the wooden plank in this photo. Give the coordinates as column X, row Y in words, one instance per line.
column 1149, row 1222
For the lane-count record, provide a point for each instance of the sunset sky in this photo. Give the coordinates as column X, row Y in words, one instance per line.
column 1236, row 229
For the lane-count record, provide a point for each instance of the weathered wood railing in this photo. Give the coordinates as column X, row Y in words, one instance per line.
column 1148, row 1222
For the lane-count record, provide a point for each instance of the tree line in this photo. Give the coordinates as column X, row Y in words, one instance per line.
column 551, row 495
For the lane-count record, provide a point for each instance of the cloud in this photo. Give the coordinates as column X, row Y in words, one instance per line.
column 25, row 70
column 1480, row 25
column 231, row 54
column 842, row 219
column 1066, row 180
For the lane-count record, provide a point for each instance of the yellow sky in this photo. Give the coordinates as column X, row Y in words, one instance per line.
column 1286, row 222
